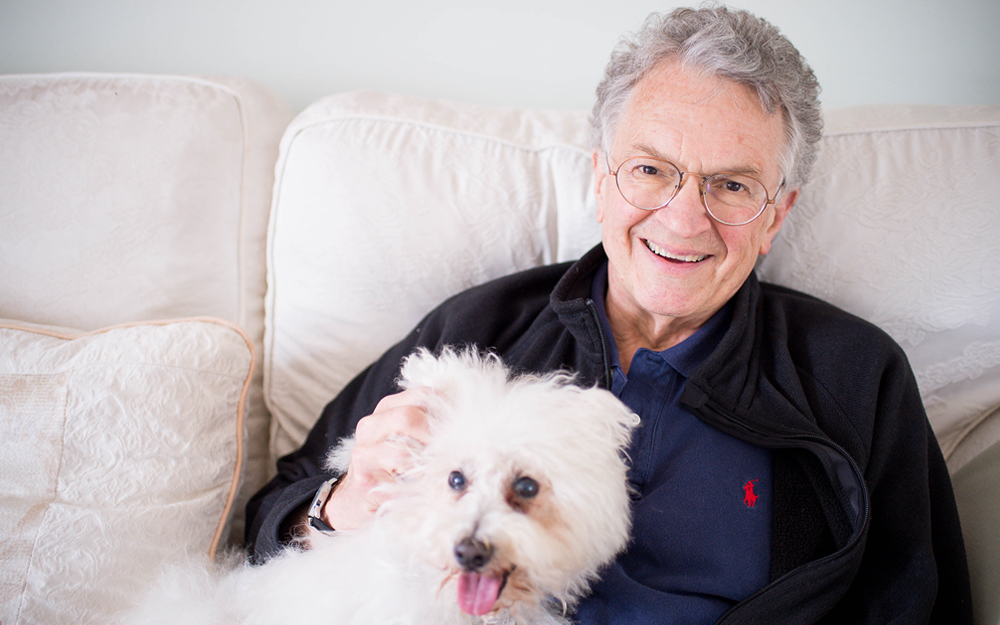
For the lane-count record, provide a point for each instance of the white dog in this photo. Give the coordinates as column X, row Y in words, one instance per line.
column 506, row 516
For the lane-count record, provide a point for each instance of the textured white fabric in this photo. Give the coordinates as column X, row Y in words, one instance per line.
column 135, row 197
column 119, row 450
column 386, row 205
column 900, row 225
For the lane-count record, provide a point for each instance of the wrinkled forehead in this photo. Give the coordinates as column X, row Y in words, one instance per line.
column 702, row 122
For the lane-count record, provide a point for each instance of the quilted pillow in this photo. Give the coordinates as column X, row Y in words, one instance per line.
column 120, row 450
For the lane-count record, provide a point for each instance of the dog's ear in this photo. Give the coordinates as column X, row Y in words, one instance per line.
column 417, row 369
column 440, row 374
column 619, row 418
column 451, row 370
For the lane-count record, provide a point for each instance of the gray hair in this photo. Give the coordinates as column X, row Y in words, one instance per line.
column 730, row 43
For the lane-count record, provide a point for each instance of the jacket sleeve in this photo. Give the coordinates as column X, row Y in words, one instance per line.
column 914, row 565
column 300, row 473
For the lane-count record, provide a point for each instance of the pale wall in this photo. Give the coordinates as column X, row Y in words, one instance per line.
column 523, row 53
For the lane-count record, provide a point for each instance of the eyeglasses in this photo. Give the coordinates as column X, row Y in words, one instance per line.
column 731, row 199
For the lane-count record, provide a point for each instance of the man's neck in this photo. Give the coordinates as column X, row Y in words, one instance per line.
column 635, row 331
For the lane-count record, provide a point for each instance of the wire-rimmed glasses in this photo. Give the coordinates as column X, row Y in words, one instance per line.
column 731, row 199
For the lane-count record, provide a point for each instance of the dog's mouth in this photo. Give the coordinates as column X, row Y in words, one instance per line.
column 478, row 592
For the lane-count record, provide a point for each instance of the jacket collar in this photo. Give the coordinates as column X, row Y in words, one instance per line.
column 731, row 375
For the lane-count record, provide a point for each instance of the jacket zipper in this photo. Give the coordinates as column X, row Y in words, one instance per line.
column 605, row 357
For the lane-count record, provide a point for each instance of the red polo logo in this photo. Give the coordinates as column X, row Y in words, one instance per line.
column 749, row 498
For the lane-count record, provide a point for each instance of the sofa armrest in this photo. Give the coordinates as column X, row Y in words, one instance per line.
column 977, row 491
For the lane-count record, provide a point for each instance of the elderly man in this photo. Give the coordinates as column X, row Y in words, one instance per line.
column 785, row 469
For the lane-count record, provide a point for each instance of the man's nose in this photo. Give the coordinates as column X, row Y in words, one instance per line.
column 686, row 212
column 693, row 185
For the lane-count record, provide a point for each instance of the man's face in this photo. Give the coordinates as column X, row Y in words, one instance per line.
column 673, row 268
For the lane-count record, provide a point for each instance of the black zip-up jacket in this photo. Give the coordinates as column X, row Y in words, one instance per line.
column 865, row 526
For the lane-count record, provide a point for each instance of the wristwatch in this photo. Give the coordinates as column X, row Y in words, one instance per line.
column 316, row 507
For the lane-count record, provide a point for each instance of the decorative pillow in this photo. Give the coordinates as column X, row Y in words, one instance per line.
column 120, row 450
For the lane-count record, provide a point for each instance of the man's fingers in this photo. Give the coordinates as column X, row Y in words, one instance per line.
column 397, row 416
column 384, row 445
column 410, row 397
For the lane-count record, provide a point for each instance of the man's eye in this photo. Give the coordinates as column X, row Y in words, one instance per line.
column 647, row 170
column 525, row 487
column 731, row 186
column 456, row 481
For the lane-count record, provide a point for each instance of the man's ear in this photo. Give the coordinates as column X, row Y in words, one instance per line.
column 781, row 209
column 600, row 173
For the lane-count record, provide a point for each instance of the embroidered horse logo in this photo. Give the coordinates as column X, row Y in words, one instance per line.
column 749, row 497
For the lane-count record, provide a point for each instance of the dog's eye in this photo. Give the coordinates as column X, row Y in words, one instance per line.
column 526, row 488
column 456, row 480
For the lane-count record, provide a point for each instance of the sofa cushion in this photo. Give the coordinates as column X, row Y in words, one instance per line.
column 138, row 197
column 899, row 225
column 384, row 206
column 120, row 450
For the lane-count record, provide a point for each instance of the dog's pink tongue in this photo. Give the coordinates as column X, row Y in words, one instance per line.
column 478, row 593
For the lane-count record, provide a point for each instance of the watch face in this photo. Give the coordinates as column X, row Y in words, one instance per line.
column 316, row 508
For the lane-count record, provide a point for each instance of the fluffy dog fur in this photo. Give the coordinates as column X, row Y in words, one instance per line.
column 506, row 516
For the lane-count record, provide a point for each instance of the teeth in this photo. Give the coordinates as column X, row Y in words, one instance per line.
column 661, row 252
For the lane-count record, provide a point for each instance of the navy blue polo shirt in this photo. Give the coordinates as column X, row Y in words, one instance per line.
column 701, row 537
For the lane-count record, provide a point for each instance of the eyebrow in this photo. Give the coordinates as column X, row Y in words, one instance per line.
column 654, row 153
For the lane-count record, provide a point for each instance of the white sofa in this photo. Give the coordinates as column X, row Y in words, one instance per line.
column 181, row 295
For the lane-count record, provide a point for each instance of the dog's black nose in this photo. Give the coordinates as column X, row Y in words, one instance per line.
column 473, row 554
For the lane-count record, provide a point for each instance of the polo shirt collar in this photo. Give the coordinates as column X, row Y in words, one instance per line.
column 683, row 357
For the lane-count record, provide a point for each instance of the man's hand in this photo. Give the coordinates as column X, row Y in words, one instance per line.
column 383, row 442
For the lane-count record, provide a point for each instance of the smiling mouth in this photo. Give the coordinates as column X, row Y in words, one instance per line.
column 662, row 253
